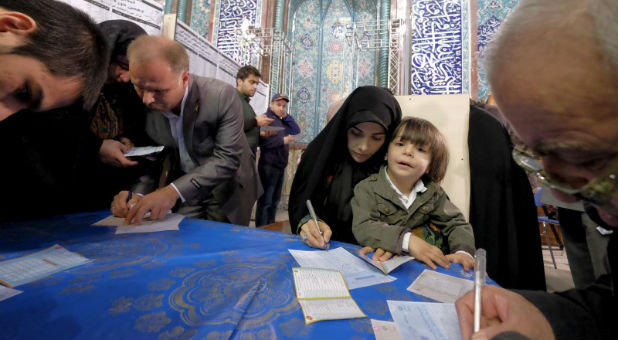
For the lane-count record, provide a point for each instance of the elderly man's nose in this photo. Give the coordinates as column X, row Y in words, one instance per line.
column 148, row 97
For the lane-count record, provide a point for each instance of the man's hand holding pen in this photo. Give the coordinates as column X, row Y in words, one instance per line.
column 123, row 202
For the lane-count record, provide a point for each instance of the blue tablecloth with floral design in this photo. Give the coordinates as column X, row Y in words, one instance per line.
column 206, row 281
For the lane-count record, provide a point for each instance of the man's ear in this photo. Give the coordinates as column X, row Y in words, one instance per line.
column 185, row 78
column 14, row 28
column 17, row 22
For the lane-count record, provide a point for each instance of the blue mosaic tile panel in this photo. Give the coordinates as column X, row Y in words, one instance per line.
column 305, row 72
column 367, row 68
column 437, row 47
column 200, row 17
column 231, row 14
column 322, row 56
column 491, row 13
column 337, row 70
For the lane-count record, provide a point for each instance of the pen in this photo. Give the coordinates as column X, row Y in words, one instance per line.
column 129, row 198
column 315, row 219
column 480, row 260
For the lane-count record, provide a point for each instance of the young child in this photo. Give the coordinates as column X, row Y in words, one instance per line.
column 403, row 209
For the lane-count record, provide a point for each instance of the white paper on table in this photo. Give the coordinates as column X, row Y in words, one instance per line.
column 143, row 150
column 7, row 293
column 385, row 330
column 323, row 295
column 386, row 266
column 356, row 272
column 25, row 269
column 425, row 320
column 169, row 222
column 440, row 287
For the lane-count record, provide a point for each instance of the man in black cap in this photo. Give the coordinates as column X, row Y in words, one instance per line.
column 274, row 150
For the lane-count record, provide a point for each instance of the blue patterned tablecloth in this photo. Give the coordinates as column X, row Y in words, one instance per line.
column 207, row 281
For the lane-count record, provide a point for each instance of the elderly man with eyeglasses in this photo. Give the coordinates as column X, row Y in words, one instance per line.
column 553, row 69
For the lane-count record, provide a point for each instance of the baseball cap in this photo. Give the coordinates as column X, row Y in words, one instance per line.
column 280, row 96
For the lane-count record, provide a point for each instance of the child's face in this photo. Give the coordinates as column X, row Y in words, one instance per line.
column 407, row 160
column 364, row 140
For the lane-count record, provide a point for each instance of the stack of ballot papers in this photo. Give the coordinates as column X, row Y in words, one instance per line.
column 15, row 272
column 440, row 287
column 169, row 222
column 356, row 272
column 386, row 266
column 323, row 295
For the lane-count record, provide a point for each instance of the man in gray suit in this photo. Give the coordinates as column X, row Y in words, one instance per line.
column 214, row 175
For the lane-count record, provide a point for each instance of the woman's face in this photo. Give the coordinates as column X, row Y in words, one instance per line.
column 364, row 140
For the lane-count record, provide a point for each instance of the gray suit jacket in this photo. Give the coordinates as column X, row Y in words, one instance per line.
column 215, row 140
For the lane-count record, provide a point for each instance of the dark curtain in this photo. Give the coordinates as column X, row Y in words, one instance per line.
column 502, row 210
column 44, row 154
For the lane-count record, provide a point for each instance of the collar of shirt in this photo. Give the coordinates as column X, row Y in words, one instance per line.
column 186, row 163
column 407, row 200
column 244, row 96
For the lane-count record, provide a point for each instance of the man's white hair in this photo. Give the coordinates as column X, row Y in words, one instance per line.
column 550, row 22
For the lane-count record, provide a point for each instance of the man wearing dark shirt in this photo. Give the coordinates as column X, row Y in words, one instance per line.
column 247, row 80
column 274, row 150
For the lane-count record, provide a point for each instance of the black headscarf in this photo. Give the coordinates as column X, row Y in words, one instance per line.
column 119, row 34
column 328, row 154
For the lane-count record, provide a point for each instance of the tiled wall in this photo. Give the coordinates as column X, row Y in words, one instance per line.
column 439, row 47
column 326, row 68
column 200, row 17
column 491, row 13
column 230, row 15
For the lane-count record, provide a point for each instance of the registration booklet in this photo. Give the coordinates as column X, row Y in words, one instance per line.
column 323, row 295
column 388, row 265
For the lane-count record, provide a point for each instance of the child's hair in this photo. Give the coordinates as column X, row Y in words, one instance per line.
column 421, row 132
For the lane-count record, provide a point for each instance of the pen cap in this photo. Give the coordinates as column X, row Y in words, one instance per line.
column 480, row 261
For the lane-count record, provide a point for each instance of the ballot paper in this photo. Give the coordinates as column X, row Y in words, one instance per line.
column 268, row 128
column 21, row 270
column 386, row 266
column 7, row 293
column 143, row 151
column 169, row 222
column 385, row 330
column 356, row 272
column 440, row 287
column 425, row 320
column 323, row 295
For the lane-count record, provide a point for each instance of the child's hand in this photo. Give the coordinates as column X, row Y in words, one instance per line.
column 425, row 252
column 465, row 260
column 378, row 255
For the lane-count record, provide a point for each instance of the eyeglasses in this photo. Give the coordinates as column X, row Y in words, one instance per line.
column 598, row 191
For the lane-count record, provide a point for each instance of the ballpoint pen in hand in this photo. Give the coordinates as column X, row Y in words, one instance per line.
column 480, row 260
column 129, row 199
column 315, row 220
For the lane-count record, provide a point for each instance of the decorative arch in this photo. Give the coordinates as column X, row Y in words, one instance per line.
column 325, row 68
